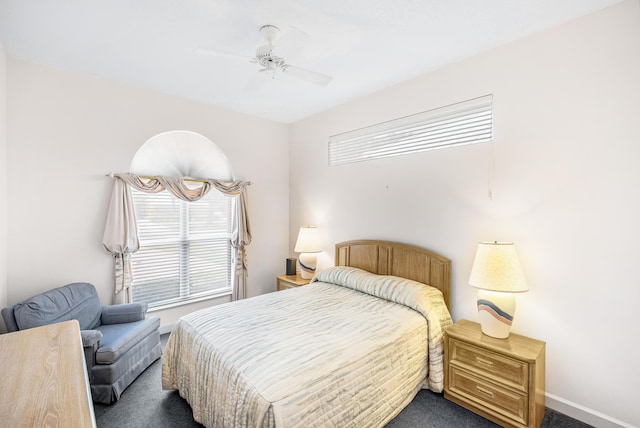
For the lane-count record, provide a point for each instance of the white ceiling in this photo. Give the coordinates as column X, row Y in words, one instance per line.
column 366, row 45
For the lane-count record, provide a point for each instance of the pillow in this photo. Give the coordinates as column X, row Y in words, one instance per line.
column 416, row 295
column 77, row 301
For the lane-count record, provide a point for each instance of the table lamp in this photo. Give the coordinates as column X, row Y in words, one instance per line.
column 308, row 244
column 497, row 274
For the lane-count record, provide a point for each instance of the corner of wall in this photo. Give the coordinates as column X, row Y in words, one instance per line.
column 3, row 177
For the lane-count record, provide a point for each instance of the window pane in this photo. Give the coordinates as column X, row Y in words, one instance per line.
column 185, row 251
column 212, row 217
column 469, row 122
column 209, row 263
column 156, row 273
column 157, row 216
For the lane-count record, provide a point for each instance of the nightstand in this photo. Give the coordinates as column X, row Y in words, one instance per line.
column 499, row 379
column 284, row 282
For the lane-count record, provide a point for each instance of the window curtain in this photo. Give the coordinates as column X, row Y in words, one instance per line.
column 121, row 238
column 121, row 235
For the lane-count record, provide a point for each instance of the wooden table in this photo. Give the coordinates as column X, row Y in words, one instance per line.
column 44, row 378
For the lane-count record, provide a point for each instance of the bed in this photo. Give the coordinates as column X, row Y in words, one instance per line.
column 352, row 348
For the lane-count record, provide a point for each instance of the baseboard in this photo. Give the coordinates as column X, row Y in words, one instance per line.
column 166, row 328
column 583, row 414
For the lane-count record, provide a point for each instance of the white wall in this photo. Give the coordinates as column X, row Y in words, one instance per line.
column 565, row 190
column 66, row 131
column 3, row 177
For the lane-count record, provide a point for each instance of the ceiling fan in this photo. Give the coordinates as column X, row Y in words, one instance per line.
column 270, row 62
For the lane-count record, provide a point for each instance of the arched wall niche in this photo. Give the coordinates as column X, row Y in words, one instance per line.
column 181, row 154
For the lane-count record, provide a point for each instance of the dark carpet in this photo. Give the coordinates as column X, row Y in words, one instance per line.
column 145, row 404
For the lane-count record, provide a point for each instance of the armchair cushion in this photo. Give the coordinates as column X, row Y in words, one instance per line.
column 118, row 314
column 73, row 301
column 118, row 339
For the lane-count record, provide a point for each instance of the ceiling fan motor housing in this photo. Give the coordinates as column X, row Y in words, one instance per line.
column 267, row 59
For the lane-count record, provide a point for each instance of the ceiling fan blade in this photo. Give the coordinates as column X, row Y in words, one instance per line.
column 257, row 82
column 293, row 41
column 309, row 76
column 216, row 52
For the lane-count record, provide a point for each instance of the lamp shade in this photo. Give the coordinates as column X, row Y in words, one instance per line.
column 308, row 240
column 497, row 268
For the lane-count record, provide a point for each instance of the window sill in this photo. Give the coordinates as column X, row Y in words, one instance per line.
column 189, row 301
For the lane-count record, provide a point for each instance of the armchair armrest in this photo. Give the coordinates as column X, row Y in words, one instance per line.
column 118, row 314
column 90, row 337
column 90, row 343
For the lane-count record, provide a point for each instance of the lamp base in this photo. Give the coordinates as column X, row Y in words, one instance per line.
column 308, row 262
column 496, row 310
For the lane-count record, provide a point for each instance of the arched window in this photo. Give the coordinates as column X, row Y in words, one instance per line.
column 184, row 244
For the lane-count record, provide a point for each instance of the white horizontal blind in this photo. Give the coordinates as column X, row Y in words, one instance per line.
column 185, row 252
column 468, row 122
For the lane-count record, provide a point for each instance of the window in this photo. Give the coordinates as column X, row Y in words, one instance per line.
column 468, row 122
column 185, row 252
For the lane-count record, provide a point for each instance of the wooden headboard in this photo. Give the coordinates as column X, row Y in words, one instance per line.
column 403, row 260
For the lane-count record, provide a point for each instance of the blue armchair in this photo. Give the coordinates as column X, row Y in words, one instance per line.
column 119, row 341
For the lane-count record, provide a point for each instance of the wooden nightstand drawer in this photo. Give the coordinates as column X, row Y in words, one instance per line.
column 512, row 372
column 508, row 403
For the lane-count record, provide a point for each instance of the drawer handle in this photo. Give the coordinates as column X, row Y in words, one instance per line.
column 483, row 361
column 484, row 391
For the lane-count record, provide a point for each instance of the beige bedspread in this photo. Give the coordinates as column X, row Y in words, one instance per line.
column 328, row 354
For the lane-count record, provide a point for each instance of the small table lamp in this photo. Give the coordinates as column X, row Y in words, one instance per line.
column 308, row 244
column 496, row 272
